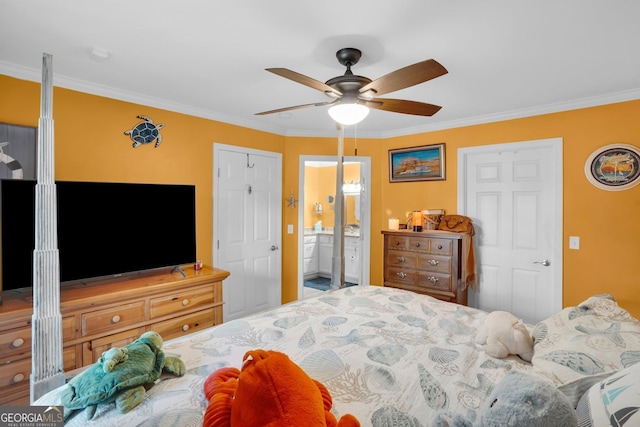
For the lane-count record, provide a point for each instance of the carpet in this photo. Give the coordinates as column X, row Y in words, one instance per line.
column 322, row 283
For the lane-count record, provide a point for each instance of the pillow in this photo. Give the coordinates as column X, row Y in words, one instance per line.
column 582, row 345
column 612, row 401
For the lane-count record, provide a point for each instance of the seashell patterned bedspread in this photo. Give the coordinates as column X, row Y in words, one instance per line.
column 389, row 357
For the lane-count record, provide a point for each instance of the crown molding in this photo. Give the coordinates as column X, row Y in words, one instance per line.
column 594, row 101
column 32, row 74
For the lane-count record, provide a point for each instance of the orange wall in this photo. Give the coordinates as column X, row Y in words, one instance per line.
column 320, row 182
column 311, row 196
column 90, row 146
column 605, row 221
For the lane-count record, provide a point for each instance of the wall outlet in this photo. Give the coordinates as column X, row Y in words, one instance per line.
column 574, row 242
column 290, row 228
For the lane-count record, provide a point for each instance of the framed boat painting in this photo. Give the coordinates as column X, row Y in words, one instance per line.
column 614, row 167
column 425, row 163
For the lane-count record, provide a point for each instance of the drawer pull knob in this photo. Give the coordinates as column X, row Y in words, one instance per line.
column 17, row 342
column 397, row 243
column 433, row 262
column 432, row 279
column 18, row 377
column 417, row 245
column 185, row 302
column 185, row 328
column 402, row 259
column 439, row 246
column 115, row 319
column 401, row 275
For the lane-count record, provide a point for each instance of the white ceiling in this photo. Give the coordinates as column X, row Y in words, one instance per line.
column 505, row 58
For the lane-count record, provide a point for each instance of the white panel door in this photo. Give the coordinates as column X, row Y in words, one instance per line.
column 247, row 228
column 513, row 193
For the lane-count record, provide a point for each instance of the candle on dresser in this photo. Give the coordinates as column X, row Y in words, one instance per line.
column 417, row 220
column 394, row 223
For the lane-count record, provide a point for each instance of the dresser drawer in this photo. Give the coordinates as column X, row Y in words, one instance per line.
column 402, row 259
column 15, row 373
column 309, row 239
column 440, row 246
column 418, row 244
column 435, row 263
column 15, row 395
column 92, row 350
column 436, row 281
column 184, row 325
column 15, row 342
column 400, row 275
column 110, row 318
column 181, row 301
column 397, row 242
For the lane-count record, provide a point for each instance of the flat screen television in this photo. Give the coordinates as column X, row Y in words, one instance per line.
column 105, row 229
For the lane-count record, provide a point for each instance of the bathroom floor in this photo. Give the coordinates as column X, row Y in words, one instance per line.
column 317, row 286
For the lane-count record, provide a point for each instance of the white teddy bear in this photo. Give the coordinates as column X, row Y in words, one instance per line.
column 503, row 334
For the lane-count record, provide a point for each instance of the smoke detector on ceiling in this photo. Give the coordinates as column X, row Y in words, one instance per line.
column 99, row 54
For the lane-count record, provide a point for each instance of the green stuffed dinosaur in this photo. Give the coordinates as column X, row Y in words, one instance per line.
column 112, row 357
column 120, row 376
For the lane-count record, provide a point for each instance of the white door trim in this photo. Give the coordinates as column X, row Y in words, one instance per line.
column 365, row 216
column 556, row 145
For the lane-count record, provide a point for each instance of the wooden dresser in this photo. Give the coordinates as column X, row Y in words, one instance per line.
column 429, row 262
column 103, row 314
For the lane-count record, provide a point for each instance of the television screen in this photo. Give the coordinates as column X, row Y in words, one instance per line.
column 17, row 231
column 104, row 229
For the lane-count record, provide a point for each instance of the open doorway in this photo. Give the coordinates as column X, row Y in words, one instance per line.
column 316, row 209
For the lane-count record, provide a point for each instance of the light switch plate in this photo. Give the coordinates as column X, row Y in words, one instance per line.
column 574, row 242
column 290, row 228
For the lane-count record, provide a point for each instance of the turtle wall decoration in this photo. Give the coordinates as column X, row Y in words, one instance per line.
column 145, row 132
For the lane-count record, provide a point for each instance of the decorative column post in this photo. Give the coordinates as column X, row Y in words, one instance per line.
column 337, row 262
column 47, row 369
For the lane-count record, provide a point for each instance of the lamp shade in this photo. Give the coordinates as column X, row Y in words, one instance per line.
column 348, row 114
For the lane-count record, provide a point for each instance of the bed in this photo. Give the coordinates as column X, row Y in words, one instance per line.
column 387, row 356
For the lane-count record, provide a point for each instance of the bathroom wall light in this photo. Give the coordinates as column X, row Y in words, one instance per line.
column 351, row 188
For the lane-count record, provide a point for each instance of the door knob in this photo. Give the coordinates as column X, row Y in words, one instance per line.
column 274, row 248
column 544, row 262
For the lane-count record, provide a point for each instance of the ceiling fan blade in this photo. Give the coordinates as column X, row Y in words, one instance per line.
column 403, row 106
column 280, row 110
column 307, row 81
column 406, row 77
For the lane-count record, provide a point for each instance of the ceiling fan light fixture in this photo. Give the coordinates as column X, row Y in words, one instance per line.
column 354, row 95
column 348, row 114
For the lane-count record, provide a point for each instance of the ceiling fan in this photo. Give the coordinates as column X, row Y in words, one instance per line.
column 350, row 89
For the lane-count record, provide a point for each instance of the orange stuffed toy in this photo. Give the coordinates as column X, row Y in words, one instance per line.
column 270, row 391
